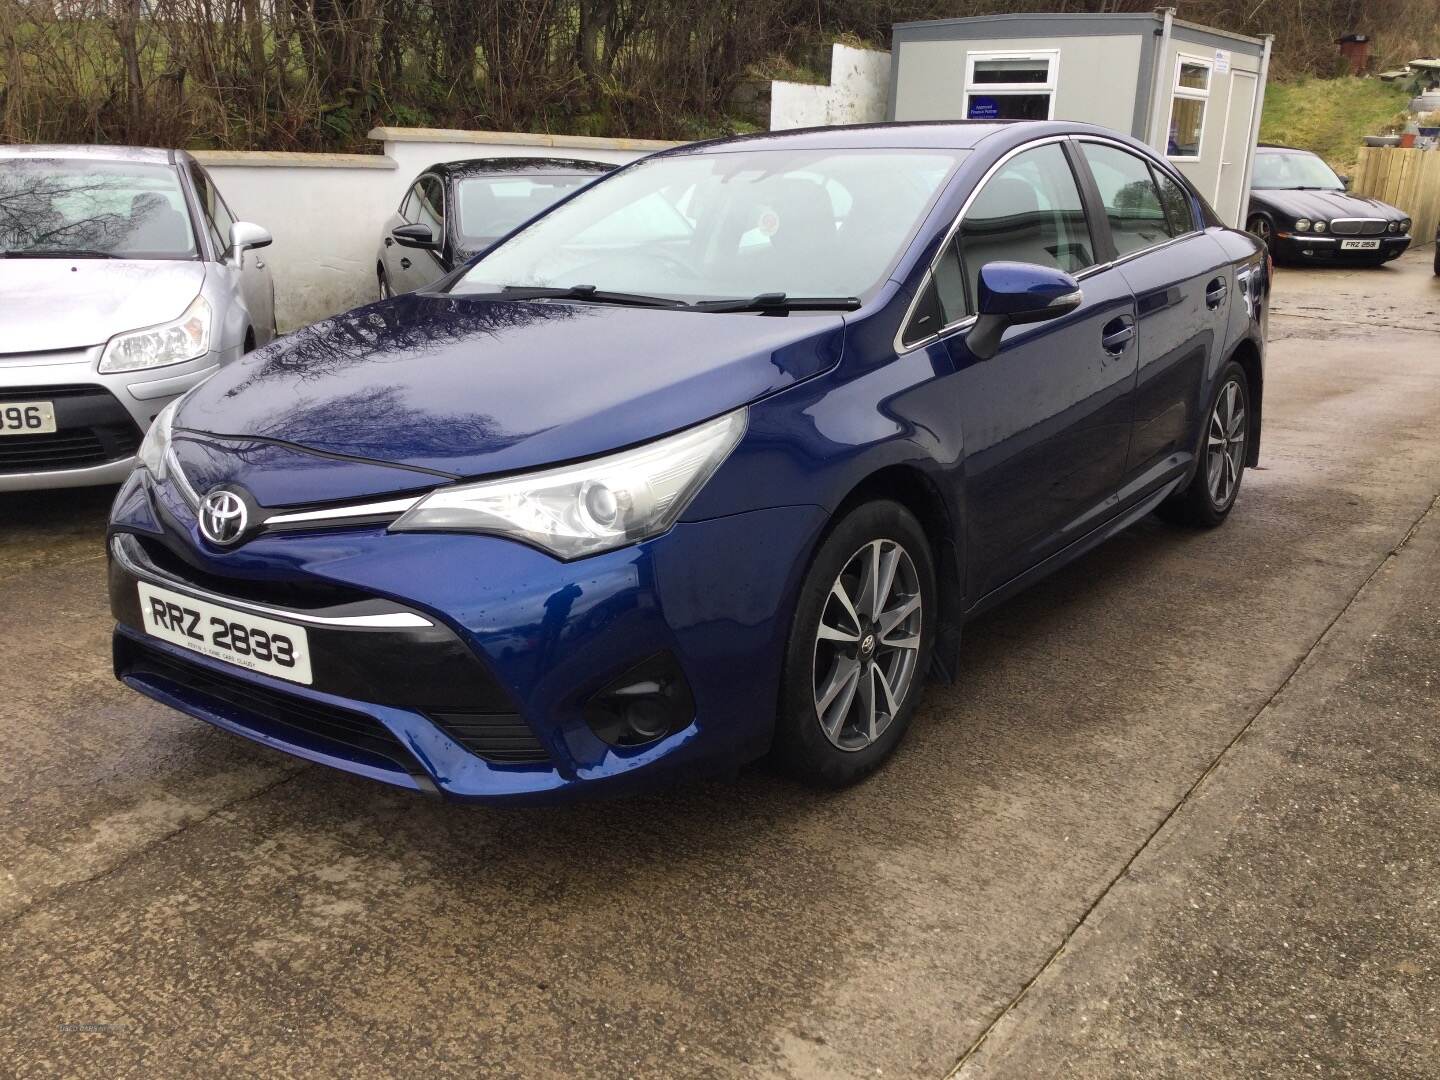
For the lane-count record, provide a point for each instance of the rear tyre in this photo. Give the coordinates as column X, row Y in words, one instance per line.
column 1437, row 256
column 1209, row 497
column 859, row 647
column 385, row 291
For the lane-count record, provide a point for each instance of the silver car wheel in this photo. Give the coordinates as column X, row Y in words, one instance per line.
column 867, row 645
column 1225, row 445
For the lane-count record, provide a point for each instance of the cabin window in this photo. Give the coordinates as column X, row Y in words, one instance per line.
column 1187, row 108
column 1011, row 86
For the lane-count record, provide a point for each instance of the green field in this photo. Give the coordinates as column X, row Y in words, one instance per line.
column 1329, row 116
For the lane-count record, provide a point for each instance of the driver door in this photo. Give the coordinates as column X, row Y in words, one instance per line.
column 1046, row 422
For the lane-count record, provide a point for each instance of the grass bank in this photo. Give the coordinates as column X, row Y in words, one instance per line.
column 1329, row 116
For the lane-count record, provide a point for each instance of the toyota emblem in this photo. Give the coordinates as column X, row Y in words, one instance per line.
column 222, row 517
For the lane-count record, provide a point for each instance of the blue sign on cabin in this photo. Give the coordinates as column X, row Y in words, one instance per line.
column 983, row 108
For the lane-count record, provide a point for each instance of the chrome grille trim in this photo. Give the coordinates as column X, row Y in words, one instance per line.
column 1358, row 226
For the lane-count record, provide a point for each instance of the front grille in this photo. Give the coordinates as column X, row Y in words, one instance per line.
column 296, row 593
column 1358, row 226
column 93, row 428
column 282, row 715
column 500, row 737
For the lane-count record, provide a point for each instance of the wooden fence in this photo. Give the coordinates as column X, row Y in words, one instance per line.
column 1409, row 179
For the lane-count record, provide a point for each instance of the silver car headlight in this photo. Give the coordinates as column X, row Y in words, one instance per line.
column 1405, row 225
column 1302, row 224
column 591, row 506
column 1320, row 226
column 155, row 447
column 174, row 342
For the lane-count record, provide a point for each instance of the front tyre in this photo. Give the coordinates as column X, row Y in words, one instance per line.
column 1211, row 493
column 1259, row 226
column 859, row 646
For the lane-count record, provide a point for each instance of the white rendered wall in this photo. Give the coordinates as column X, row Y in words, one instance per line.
column 858, row 93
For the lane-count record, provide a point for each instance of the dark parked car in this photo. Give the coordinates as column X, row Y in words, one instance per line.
column 454, row 211
column 714, row 459
column 1299, row 207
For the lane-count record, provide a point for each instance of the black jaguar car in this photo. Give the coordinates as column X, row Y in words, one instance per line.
column 1299, row 207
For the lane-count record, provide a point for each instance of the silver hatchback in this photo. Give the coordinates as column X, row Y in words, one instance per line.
column 124, row 281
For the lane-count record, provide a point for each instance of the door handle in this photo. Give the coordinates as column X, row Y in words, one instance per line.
column 1216, row 293
column 1117, row 335
column 404, row 264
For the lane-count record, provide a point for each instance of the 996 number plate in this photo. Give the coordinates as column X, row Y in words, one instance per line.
column 237, row 637
column 27, row 417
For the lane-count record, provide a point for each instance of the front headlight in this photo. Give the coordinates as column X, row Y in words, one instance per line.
column 185, row 338
column 1302, row 224
column 156, row 444
column 589, row 507
column 1405, row 225
column 1319, row 226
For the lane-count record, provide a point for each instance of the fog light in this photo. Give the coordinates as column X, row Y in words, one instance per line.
column 645, row 704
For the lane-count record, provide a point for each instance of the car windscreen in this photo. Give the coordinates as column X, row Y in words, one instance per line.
column 1294, row 171
column 128, row 210
column 490, row 206
column 723, row 225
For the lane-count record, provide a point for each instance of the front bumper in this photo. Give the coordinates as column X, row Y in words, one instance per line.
column 1307, row 247
column 100, row 417
column 518, row 644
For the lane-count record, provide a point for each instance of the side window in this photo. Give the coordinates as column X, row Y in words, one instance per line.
column 942, row 302
column 431, row 205
column 1030, row 211
column 1137, row 220
column 1176, row 201
column 205, row 191
column 220, row 216
column 410, row 205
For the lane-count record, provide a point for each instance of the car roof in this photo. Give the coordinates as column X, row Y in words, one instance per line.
column 149, row 154
column 908, row 135
column 510, row 166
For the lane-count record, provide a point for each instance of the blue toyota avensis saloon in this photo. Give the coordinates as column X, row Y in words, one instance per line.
column 714, row 459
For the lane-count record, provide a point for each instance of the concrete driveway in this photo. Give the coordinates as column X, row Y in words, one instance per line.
column 1181, row 814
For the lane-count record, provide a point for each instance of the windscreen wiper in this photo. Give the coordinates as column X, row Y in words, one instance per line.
column 780, row 302
column 586, row 292
column 57, row 253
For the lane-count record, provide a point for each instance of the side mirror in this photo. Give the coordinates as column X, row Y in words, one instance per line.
column 1014, row 293
column 414, row 236
column 245, row 235
column 1345, row 182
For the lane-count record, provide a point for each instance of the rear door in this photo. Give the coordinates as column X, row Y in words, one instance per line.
column 1183, row 282
column 1046, row 422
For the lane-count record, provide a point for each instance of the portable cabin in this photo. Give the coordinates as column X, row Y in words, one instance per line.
column 1192, row 92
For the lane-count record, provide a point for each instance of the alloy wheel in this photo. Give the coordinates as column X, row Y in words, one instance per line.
column 1225, row 446
column 867, row 645
column 1260, row 228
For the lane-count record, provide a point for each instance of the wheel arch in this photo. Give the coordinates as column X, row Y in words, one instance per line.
column 913, row 489
column 1247, row 355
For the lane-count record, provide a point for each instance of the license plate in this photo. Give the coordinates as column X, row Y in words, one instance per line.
column 27, row 418
column 237, row 637
column 1359, row 245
